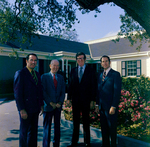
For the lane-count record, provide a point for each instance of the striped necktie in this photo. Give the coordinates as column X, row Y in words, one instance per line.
column 34, row 77
column 104, row 75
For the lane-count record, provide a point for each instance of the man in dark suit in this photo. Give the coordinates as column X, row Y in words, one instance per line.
column 109, row 89
column 29, row 100
column 82, row 92
column 54, row 95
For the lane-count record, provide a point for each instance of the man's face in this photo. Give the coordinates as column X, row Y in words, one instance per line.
column 54, row 67
column 31, row 62
column 105, row 63
column 81, row 60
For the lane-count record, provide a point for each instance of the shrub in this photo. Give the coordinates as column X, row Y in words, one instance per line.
column 134, row 115
column 134, row 109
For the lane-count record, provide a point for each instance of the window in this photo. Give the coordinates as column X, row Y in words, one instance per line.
column 131, row 68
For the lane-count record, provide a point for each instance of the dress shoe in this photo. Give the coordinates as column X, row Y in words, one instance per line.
column 72, row 145
column 87, row 145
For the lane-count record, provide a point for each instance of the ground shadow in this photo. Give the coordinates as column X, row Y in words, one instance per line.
column 6, row 100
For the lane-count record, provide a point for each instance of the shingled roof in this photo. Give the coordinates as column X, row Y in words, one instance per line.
column 111, row 48
column 51, row 44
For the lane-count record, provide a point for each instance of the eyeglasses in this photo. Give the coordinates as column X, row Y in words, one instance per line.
column 80, row 58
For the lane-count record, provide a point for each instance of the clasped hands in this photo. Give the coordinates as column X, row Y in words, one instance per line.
column 55, row 105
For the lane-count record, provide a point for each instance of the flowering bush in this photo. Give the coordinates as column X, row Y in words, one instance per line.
column 134, row 109
column 94, row 117
column 134, row 116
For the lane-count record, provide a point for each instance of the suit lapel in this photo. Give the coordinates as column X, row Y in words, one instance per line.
column 107, row 77
column 29, row 76
column 51, row 80
column 76, row 74
column 84, row 74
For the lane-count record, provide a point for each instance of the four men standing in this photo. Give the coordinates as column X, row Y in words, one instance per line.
column 29, row 95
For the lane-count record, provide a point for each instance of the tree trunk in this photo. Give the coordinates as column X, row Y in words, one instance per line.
column 139, row 10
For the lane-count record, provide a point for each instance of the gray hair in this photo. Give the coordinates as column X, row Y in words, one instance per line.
column 54, row 60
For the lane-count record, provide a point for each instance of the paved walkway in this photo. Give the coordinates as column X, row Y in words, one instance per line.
column 9, row 128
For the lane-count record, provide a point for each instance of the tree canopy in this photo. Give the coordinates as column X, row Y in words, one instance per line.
column 29, row 17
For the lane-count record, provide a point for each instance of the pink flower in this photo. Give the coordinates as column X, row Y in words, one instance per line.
column 141, row 106
column 132, row 104
column 120, row 106
column 127, row 93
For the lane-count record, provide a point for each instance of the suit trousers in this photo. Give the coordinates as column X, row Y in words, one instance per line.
column 28, row 130
column 77, row 110
column 108, row 128
column 47, row 122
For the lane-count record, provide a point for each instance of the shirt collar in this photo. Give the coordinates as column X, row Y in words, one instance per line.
column 107, row 70
column 53, row 74
column 29, row 69
column 82, row 66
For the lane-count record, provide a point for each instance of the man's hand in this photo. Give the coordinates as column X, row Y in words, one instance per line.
column 58, row 105
column 112, row 110
column 92, row 104
column 42, row 110
column 53, row 105
column 97, row 109
column 23, row 114
column 69, row 103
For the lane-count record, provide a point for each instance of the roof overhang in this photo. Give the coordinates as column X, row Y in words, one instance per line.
column 8, row 51
column 129, row 55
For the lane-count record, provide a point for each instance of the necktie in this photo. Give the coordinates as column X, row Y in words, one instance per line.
column 34, row 77
column 80, row 74
column 104, row 75
column 55, row 81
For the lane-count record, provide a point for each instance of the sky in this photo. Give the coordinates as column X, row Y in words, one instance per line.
column 106, row 24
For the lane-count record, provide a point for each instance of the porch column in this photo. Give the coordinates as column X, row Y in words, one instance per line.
column 62, row 66
column 66, row 71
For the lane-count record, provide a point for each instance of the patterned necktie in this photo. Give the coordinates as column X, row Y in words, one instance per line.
column 34, row 77
column 104, row 75
column 80, row 74
column 55, row 81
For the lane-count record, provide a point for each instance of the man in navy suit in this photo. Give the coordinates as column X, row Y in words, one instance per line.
column 108, row 97
column 54, row 95
column 82, row 92
column 29, row 100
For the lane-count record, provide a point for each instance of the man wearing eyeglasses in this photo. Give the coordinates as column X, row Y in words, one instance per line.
column 81, row 94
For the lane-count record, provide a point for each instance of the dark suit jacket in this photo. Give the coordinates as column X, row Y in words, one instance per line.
column 49, row 92
column 85, row 91
column 109, row 90
column 28, row 95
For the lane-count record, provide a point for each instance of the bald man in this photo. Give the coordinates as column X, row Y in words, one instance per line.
column 54, row 95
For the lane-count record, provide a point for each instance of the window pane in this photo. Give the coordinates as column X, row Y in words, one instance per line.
column 131, row 68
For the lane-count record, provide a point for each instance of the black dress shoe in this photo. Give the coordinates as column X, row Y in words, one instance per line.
column 87, row 145
column 72, row 145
